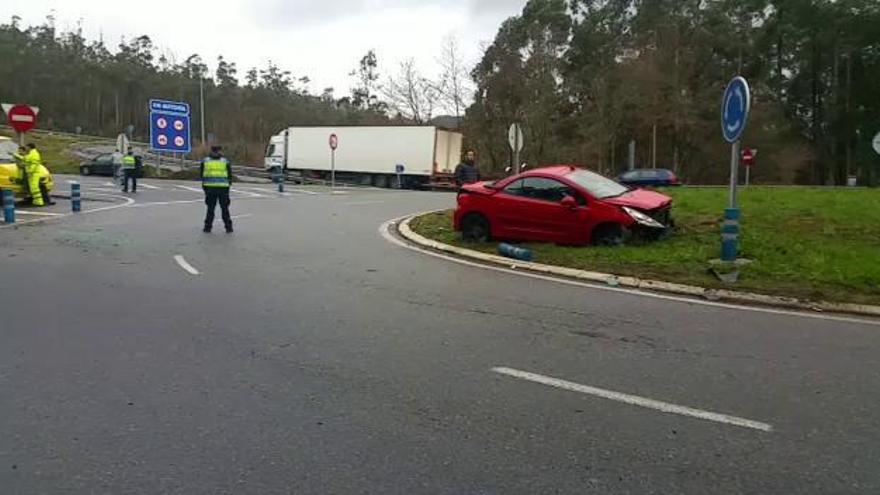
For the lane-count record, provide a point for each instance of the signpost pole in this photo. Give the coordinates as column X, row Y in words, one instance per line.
column 515, row 140
column 734, row 172
column 735, row 107
column 875, row 143
column 748, row 173
column 399, row 169
column 334, row 143
column 516, row 165
column 730, row 227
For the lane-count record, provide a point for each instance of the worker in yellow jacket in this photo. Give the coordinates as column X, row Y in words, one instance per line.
column 34, row 169
column 36, row 174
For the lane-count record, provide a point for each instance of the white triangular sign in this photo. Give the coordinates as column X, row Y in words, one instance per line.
column 6, row 107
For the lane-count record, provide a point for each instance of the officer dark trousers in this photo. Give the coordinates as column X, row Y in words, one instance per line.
column 213, row 195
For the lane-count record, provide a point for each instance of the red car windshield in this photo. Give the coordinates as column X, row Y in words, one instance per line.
column 598, row 186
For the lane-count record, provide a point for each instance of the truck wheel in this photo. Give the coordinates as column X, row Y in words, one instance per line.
column 475, row 227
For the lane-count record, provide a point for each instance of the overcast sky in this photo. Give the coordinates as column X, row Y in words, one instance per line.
column 321, row 39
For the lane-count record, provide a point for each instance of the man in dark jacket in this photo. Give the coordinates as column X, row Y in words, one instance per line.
column 216, row 173
column 467, row 172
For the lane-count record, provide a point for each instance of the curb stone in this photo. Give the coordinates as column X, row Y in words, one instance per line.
column 745, row 298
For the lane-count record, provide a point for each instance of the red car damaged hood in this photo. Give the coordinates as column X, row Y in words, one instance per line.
column 641, row 199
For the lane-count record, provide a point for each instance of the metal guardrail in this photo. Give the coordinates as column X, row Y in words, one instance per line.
column 175, row 164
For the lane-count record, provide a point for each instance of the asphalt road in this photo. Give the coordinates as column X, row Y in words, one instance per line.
column 310, row 355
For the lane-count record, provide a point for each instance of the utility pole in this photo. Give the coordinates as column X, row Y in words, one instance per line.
column 654, row 148
column 202, row 105
column 631, row 162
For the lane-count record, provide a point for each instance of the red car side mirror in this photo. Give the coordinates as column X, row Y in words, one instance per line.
column 569, row 202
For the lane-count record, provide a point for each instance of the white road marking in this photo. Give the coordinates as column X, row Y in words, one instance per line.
column 186, row 266
column 364, row 203
column 385, row 232
column 147, row 186
column 635, row 400
column 246, row 215
column 128, row 202
column 162, row 203
column 303, row 191
column 189, row 188
column 246, row 193
column 341, row 193
column 39, row 213
column 255, row 190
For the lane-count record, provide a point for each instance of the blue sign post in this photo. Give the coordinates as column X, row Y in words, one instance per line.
column 169, row 126
column 735, row 107
column 398, row 169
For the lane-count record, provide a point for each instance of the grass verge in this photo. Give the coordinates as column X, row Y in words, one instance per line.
column 810, row 243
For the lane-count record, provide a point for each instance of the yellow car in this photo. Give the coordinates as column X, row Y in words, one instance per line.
column 12, row 175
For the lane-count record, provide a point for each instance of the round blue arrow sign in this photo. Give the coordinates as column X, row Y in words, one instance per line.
column 735, row 109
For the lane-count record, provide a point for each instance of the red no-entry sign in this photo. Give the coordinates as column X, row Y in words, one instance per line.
column 748, row 157
column 334, row 141
column 22, row 118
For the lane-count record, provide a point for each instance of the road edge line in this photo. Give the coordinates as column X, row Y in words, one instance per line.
column 744, row 299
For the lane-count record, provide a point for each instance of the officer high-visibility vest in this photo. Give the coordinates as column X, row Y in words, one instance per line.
column 128, row 161
column 215, row 174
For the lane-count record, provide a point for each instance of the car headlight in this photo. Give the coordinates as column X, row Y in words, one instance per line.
column 643, row 219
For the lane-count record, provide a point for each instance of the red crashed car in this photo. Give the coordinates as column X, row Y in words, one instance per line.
column 563, row 205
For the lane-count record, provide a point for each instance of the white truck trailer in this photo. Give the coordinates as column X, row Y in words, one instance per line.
column 424, row 155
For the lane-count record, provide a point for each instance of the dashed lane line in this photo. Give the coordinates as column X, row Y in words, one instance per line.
column 635, row 400
column 185, row 265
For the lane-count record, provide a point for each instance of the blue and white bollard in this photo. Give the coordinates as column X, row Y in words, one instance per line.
column 8, row 206
column 730, row 235
column 75, row 197
column 511, row 251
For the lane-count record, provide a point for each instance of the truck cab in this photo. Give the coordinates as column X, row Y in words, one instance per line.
column 274, row 158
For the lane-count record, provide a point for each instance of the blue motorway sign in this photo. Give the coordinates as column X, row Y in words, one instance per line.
column 169, row 126
column 735, row 108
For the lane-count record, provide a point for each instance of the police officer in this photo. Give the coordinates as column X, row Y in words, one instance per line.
column 129, row 168
column 216, row 173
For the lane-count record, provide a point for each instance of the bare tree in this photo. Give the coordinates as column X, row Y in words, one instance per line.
column 454, row 85
column 410, row 94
